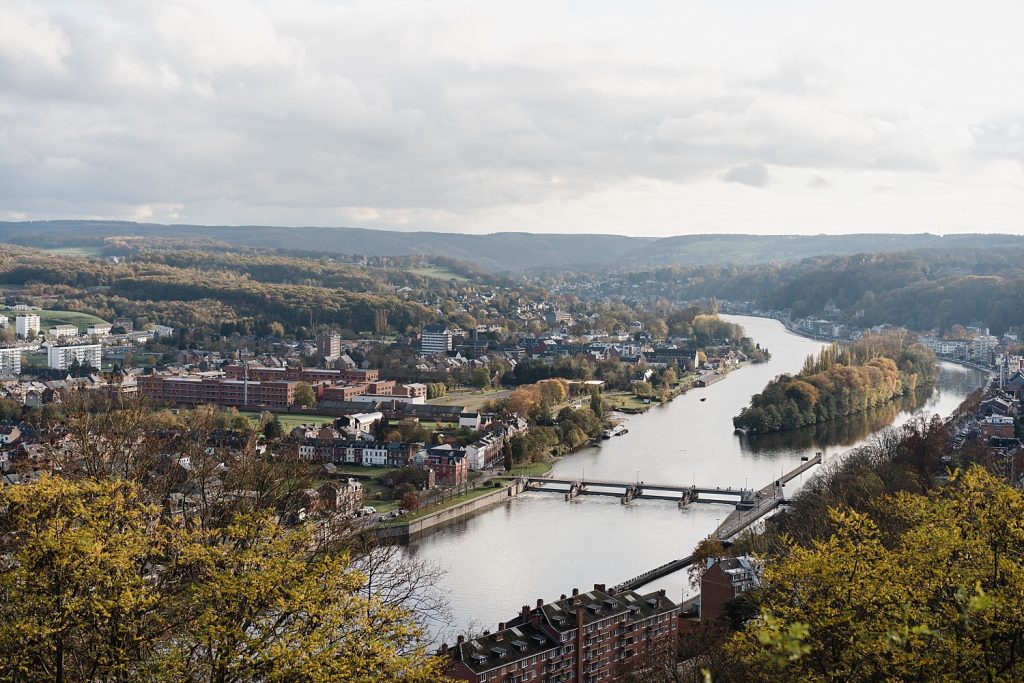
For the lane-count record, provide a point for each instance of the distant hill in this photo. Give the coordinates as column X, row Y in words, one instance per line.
column 506, row 251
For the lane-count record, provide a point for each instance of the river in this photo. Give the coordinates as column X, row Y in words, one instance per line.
column 540, row 546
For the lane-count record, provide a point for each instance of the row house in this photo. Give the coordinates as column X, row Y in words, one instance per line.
column 339, row 450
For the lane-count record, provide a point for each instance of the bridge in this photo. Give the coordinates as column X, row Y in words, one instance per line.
column 764, row 500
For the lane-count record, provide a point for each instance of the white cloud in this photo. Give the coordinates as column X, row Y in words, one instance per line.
column 548, row 116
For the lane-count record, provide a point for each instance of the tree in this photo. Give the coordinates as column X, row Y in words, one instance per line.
column 304, row 395
column 922, row 588
column 97, row 585
column 75, row 599
column 507, row 455
column 272, row 428
column 597, row 403
column 410, row 502
column 275, row 329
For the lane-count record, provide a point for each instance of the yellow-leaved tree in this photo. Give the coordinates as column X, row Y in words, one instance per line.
column 926, row 588
column 96, row 585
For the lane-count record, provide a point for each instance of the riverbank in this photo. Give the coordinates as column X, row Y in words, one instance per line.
column 474, row 502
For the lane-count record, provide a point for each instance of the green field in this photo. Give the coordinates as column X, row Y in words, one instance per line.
column 290, row 421
column 48, row 319
column 75, row 251
column 438, row 273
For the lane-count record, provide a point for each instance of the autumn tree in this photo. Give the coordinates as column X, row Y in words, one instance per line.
column 97, row 585
column 917, row 588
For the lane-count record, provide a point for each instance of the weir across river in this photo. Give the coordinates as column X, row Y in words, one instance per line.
column 750, row 505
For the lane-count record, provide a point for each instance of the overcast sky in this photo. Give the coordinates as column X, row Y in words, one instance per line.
column 640, row 117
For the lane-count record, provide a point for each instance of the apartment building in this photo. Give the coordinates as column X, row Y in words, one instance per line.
column 10, row 361
column 63, row 357
column 329, row 345
column 24, row 324
column 584, row 638
column 436, row 339
column 58, row 331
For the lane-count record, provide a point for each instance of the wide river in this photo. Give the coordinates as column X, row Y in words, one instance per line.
column 540, row 546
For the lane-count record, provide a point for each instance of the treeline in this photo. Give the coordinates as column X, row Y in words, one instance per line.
column 840, row 381
column 920, row 289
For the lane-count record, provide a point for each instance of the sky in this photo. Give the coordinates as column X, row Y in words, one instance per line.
column 642, row 117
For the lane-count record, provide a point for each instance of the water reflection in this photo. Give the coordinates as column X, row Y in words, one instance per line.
column 844, row 431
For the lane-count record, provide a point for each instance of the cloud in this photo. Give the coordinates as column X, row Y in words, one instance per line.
column 755, row 175
column 817, row 182
column 454, row 115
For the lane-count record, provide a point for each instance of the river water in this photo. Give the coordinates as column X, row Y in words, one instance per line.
column 540, row 546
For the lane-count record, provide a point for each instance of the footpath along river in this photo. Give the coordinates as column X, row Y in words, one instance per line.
column 540, row 546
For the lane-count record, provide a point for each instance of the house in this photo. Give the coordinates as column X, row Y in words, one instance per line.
column 9, row 434
column 724, row 579
column 344, row 496
column 999, row 426
column 450, row 465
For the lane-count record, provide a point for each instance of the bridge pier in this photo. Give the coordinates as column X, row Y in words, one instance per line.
column 575, row 489
column 632, row 491
column 689, row 496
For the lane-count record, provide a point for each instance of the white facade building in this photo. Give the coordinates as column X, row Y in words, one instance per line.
column 62, row 357
column 436, row 339
column 4, row 322
column 10, row 361
column 64, row 331
column 99, row 329
column 23, row 324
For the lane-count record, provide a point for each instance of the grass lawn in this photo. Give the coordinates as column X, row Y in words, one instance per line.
column 439, row 273
column 48, row 319
column 622, row 399
column 75, row 251
column 534, row 469
column 422, row 512
column 290, row 421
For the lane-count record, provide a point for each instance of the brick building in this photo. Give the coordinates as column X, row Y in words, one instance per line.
column 450, row 465
column 584, row 638
column 190, row 390
column 723, row 580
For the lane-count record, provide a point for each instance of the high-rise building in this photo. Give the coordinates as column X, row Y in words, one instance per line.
column 10, row 361
column 329, row 345
column 435, row 339
column 24, row 324
column 63, row 357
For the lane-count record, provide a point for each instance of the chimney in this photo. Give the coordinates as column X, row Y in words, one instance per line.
column 540, row 603
column 563, row 597
column 444, row 648
column 461, row 640
column 525, row 612
column 575, row 592
column 501, row 625
column 599, row 587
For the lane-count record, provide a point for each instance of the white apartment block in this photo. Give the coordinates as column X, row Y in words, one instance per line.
column 435, row 339
column 24, row 324
column 99, row 329
column 4, row 322
column 64, row 331
column 62, row 357
column 10, row 361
